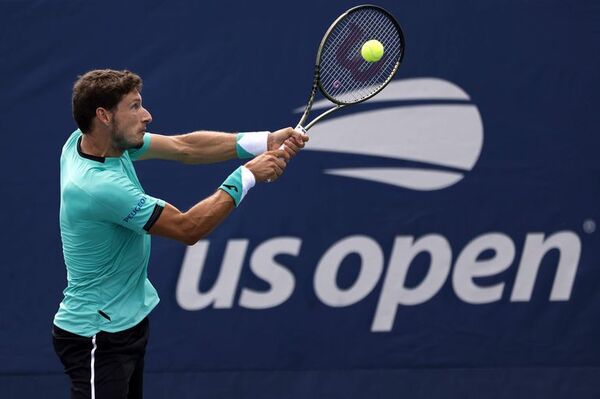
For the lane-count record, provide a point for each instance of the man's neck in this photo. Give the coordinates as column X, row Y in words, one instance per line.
column 99, row 144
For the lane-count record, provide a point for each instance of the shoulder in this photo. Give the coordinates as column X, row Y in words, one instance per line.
column 100, row 194
column 102, row 183
column 71, row 143
column 93, row 182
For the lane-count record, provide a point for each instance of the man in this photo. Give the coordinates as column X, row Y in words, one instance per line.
column 100, row 331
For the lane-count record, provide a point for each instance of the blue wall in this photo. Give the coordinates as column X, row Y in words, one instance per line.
column 438, row 241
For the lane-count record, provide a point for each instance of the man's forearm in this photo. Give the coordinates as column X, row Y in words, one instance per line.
column 209, row 147
column 197, row 222
column 206, row 215
column 206, row 147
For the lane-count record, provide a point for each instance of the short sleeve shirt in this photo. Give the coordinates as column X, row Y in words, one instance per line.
column 105, row 216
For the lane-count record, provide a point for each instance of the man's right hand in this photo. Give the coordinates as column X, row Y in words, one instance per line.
column 268, row 166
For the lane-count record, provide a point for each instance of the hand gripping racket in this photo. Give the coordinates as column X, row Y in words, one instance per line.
column 342, row 75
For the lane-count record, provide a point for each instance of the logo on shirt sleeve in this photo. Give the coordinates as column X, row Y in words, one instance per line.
column 135, row 210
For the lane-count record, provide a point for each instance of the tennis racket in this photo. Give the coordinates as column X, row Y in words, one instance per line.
column 342, row 75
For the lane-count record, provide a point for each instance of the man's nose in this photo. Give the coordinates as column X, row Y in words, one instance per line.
column 147, row 116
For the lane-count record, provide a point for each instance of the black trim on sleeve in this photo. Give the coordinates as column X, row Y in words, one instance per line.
column 154, row 217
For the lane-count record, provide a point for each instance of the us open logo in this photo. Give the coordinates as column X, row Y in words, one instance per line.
column 431, row 135
column 429, row 123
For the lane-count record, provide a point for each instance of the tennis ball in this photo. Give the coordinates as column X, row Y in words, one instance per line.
column 372, row 50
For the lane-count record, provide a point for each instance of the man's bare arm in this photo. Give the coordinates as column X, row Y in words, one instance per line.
column 206, row 215
column 209, row 146
column 192, row 148
column 195, row 224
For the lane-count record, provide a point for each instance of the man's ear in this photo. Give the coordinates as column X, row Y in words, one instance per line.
column 104, row 115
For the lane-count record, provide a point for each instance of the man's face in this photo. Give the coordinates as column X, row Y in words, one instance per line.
column 129, row 122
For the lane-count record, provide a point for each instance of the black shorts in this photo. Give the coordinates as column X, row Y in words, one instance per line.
column 107, row 365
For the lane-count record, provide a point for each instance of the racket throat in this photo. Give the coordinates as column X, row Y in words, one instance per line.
column 321, row 116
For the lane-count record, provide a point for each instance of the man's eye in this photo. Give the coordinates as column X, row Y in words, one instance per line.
column 135, row 106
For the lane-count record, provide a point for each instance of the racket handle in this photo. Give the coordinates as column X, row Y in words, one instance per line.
column 301, row 128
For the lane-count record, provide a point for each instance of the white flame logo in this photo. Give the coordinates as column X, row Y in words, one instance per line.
column 446, row 137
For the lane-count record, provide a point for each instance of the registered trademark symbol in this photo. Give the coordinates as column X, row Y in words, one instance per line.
column 589, row 226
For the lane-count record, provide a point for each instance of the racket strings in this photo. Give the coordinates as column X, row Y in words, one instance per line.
column 372, row 75
column 345, row 76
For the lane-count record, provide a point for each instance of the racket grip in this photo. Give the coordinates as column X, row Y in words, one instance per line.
column 301, row 128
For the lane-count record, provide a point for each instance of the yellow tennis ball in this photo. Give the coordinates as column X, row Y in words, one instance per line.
column 372, row 50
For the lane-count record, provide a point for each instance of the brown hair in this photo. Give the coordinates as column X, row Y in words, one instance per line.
column 100, row 88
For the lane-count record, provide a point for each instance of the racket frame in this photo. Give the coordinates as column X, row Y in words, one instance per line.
column 317, row 84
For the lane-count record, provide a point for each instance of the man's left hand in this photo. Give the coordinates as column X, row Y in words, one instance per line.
column 293, row 140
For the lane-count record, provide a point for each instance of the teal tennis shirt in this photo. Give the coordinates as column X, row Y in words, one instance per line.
column 105, row 216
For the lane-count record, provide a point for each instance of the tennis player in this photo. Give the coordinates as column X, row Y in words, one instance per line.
column 100, row 331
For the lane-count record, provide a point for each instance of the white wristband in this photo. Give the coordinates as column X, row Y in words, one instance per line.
column 248, row 180
column 238, row 184
column 251, row 144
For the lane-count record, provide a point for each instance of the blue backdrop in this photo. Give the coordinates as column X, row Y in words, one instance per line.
column 438, row 241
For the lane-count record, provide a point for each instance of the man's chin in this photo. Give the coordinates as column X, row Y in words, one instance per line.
column 132, row 144
column 139, row 143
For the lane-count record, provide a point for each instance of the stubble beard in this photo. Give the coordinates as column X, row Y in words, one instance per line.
column 119, row 139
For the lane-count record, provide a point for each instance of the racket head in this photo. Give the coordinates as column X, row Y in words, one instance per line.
column 344, row 77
